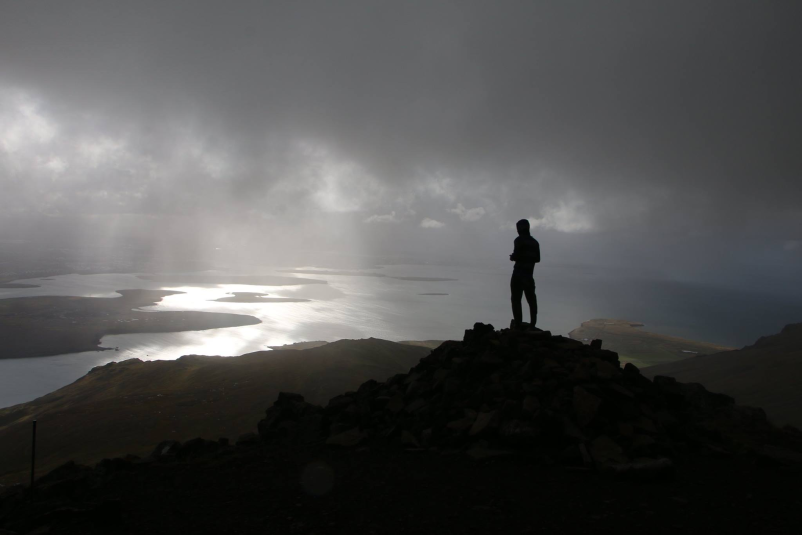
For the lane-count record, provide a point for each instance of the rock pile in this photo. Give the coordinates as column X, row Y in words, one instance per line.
column 496, row 392
column 502, row 391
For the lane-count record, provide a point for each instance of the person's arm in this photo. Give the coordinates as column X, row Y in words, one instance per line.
column 515, row 252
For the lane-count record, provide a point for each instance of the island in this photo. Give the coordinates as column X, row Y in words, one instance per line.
column 253, row 297
column 17, row 285
column 366, row 274
column 254, row 280
column 640, row 347
column 433, row 293
column 52, row 325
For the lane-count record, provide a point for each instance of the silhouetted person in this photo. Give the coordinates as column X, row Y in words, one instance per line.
column 525, row 255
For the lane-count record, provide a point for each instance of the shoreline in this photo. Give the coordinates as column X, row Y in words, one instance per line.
column 638, row 346
column 43, row 326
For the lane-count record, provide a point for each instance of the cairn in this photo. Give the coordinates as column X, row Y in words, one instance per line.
column 527, row 392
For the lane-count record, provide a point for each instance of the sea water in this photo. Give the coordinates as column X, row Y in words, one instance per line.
column 353, row 306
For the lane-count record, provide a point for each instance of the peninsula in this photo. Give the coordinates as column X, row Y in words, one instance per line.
column 17, row 285
column 640, row 347
column 52, row 325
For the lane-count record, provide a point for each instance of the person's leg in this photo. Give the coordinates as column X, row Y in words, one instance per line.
column 516, row 291
column 531, row 298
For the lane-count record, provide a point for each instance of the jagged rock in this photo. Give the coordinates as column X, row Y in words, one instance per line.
column 408, row 439
column 605, row 451
column 196, row 447
column 631, row 368
column 587, row 460
column 165, row 449
column 483, row 421
column 570, row 429
column 311, row 428
column 349, row 438
column 517, row 432
column 779, row 456
column 531, row 404
column 68, row 470
column 586, row 405
column 289, row 408
column 293, row 420
column 116, row 465
column 339, row 403
column 460, row 425
column 481, row 450
column 248, row 439
column 615, row 388
column 644, row 469
column 479, row 331
column 646, row 424
column 526, row 390
column 626, row 429
column 415, row 405
column 107, row 514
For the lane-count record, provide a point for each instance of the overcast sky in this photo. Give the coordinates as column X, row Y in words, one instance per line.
column 656, row 134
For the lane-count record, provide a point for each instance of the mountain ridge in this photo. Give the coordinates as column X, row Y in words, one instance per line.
column 765, row 374
column 125, row 407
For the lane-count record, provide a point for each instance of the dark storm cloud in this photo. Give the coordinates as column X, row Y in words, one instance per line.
column 676, row 121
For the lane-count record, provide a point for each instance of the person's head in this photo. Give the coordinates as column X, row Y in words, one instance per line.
column 523, row 227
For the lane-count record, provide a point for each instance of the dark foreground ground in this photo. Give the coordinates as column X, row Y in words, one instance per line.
column 385, row 490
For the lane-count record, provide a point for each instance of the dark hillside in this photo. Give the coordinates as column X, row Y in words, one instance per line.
column 767, row 374
column 126, row 407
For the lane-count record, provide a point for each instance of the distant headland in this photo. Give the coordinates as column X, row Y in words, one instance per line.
column 18, row 285
column 640, row 347
column 52, row 325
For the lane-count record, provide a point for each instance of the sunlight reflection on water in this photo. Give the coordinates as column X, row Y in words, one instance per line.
column 346, row 307
column 392, row 309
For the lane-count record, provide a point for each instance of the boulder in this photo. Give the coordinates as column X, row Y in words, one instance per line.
column 348, row 438
column 605, row 451
column 248, row 439
column 482, row 423
column 166, row 449
column 292, row 419
column 644, row 469
column 586, row 406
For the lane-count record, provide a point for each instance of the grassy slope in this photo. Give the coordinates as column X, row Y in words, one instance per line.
column 767, row 374
column 640, row 347
column 129, row 407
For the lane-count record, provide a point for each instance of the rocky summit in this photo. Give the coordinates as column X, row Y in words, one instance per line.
column 478, row 435
column 500, row 392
